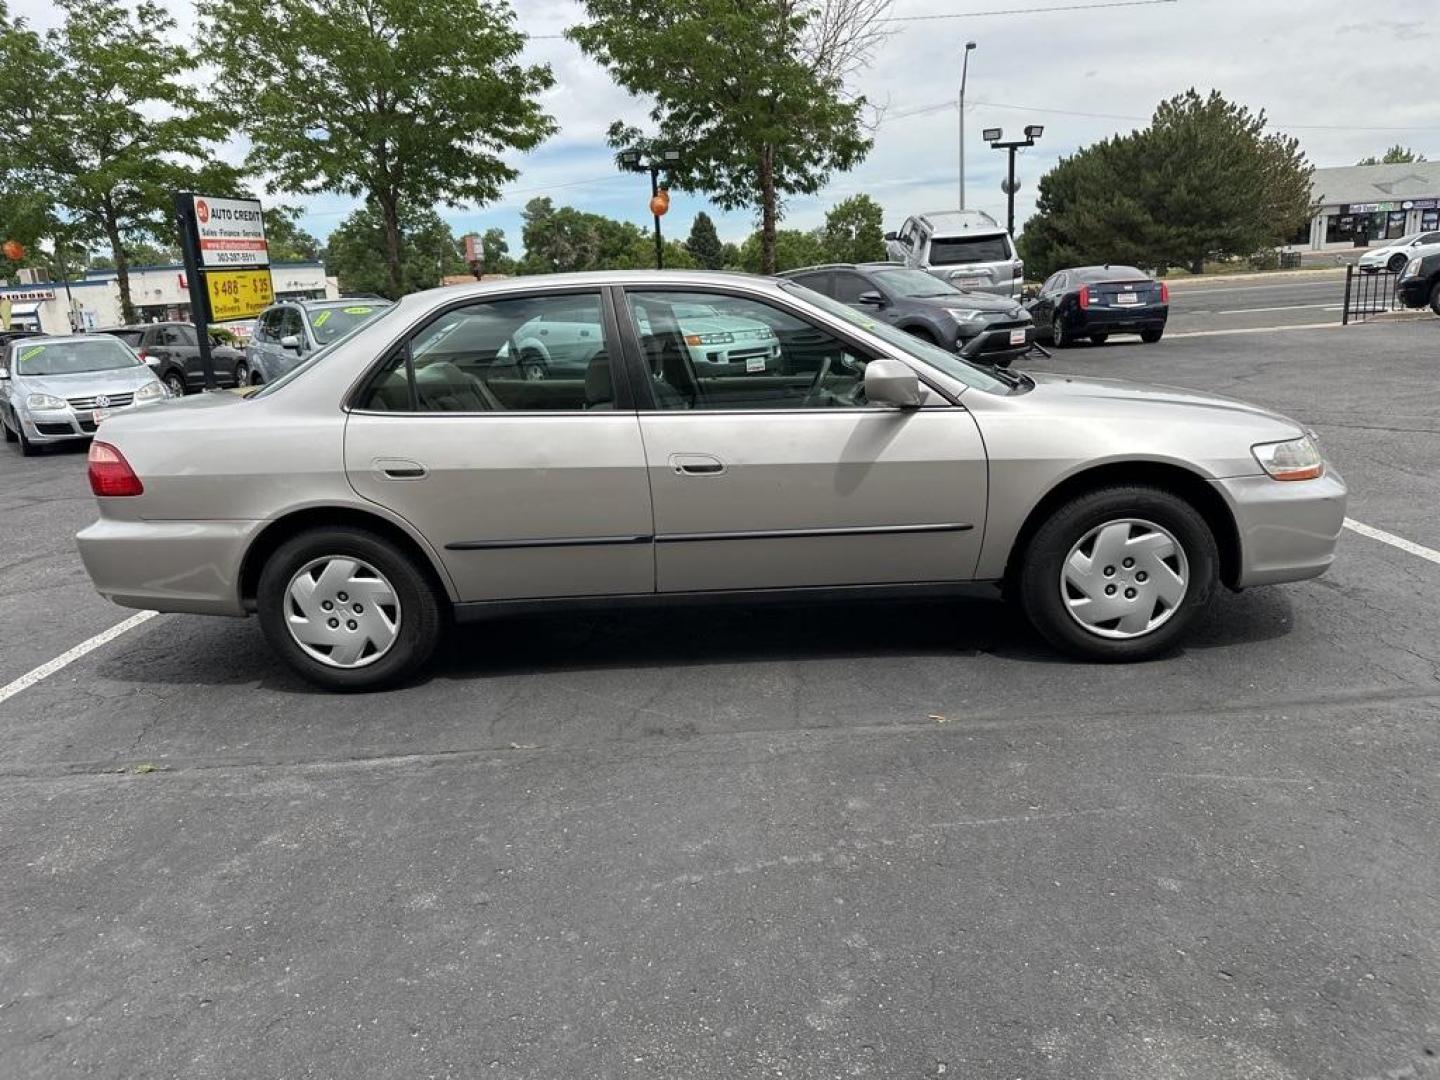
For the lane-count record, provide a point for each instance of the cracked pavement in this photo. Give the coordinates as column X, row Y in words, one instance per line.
column 888, row 841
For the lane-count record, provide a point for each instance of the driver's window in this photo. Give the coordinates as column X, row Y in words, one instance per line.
column 710, row 351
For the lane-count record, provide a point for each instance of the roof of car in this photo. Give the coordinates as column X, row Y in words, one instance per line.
column 342, row 300
column 960, row 222
column 888, row 264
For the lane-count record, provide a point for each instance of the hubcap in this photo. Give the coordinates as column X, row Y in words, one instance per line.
column 342, row 612
column 1124, row 579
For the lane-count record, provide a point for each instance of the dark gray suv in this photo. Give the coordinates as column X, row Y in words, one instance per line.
column 914, row 301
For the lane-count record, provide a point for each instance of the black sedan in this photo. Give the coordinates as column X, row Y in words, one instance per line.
column 913, row 301
column 1097, row 301
column 1420, row 280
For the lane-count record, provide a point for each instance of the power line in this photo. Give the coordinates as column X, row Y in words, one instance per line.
column 1026, row 11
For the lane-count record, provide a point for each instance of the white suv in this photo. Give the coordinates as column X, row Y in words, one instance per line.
column 967, row 248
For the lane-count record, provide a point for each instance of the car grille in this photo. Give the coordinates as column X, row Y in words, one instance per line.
column 737, row 356
column 116, row 401
column 1009, row 324
column 54, row 429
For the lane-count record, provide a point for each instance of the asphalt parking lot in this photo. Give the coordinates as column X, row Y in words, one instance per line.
column 901, row 841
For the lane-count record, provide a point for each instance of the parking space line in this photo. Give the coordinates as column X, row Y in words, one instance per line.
column 44, row 671
column 1394, row 541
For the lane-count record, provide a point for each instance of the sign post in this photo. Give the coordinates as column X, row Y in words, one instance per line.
column 227, row 264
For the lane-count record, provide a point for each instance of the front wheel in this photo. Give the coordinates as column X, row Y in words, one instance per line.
column 9, row 435
column 27, row 448
column 1396, row 263
column 175, row 383
column 1150, row 337
column 348, row 610
column 1435, row 298
column 1118, row 574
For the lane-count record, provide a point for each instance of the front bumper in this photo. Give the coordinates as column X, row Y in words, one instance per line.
column 62, row 425
column 1287, row 529
column 188, row 566
column 1132, row 319
column 1414, row 292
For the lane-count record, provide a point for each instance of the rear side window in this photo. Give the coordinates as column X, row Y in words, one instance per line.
column 129, row 337
column 963, row 250
column 821, row 283
column 525, row 354
column 849, row 287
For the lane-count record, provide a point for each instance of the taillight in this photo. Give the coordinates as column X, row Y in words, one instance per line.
column 1164, row 293
column 110, row 474
column 1084, row 296
column 144, row 356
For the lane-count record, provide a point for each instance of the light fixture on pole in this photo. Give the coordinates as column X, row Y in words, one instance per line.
column 652, row 161
column 995, row 137
column 964, row 72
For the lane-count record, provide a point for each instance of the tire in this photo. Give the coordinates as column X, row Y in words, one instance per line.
column 9, row 435
column 533, row 366
column 1058, row 334
column 1435, row 297
column 1150, row 337
column 1052, row 598
column 242, row 374
column 175, row 383
column 1099, row 339
column 1397, row 263
column 413, row 612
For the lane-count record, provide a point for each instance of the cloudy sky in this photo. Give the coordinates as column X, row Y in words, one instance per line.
column 1347, row 78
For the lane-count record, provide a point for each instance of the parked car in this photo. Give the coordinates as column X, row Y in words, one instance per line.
column 1097, row 301
column 1396, row 255
column 173, row 350
column 7, row 336
column 931, row 309
column 286, row 333
column 357, row 502
column 1420, row 281
column 967, row 248
column 53, row 389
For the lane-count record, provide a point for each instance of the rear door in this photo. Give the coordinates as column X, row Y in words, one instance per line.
column 764, row 481
column 528, row 487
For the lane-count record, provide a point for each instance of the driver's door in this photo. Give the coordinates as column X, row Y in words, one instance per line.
column 764, row 481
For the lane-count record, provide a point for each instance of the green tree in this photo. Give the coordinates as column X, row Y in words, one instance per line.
column 356, row 252
column 406, row 102
column 1204, row 180
column 853, row 231
column 1396, row 155
column 495, row 252
column 286, row 240
column 101, row 117
column 730, row 257
column 704, row 243
column 751, row 90
column 563, row 239
column 793, row 248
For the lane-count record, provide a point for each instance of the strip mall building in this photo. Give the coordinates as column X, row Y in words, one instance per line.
column 1365, row 205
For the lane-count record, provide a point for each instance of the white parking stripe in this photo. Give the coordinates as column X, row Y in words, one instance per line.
column 1394, row 541
column 1285, row 307
column 44, row 671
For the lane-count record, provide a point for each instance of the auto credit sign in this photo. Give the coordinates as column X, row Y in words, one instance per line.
column 231, row 232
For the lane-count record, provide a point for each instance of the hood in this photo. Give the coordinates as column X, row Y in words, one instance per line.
column 1096, row 391
column 714, row 324
column 87, row 383
column 971, row 301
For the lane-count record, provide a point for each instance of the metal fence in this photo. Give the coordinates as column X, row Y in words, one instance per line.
column 1369, row 293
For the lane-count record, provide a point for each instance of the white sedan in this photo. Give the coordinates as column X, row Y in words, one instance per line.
column 1395, row 255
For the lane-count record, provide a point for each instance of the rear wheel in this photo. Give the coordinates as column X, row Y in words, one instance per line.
column 1152, row 336
column 1118, row 574
column 242, row 374
column 1099, row 339
column 1397, row 263
column 348, row 610
column 1435, row 298
column 175, row 383
column 1059, row 335
column 533, row 365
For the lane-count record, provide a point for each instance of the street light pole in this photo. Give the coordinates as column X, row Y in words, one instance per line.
column 964, row 72
column 653, row 162
column 655, row 194
column 994, row 137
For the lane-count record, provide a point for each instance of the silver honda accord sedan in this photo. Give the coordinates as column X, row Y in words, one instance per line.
column 409, row 472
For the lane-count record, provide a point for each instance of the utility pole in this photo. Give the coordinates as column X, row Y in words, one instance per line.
column 653, row 162
column 964, row 72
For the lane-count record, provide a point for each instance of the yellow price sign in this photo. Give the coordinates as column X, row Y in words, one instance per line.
column 238, row 294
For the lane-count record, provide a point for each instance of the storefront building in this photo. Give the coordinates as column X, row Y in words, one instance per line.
column 159, row 294
column 1368, row 205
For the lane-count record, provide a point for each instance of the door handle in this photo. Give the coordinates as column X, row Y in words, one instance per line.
column 401, row 469
column 696, row 464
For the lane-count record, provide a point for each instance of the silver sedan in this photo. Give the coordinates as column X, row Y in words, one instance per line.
column 402, row 475
column 57, row 389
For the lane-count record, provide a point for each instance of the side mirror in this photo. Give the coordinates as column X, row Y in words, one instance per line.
column 891, row 236
column 1030, row 292
column 291, row 342
column 871, row 298
column 889, row 382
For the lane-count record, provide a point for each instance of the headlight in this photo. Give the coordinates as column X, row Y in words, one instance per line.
column 1412, row 269
column 720, row 338
column 1297, row 459
column 151, row 391
column 45, row 401
column 962, row 315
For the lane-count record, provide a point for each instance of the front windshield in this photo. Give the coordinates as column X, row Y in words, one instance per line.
column 379, row 311
column 103, row 353
column 933, row 355
column 331, row 323
column 914, row 283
